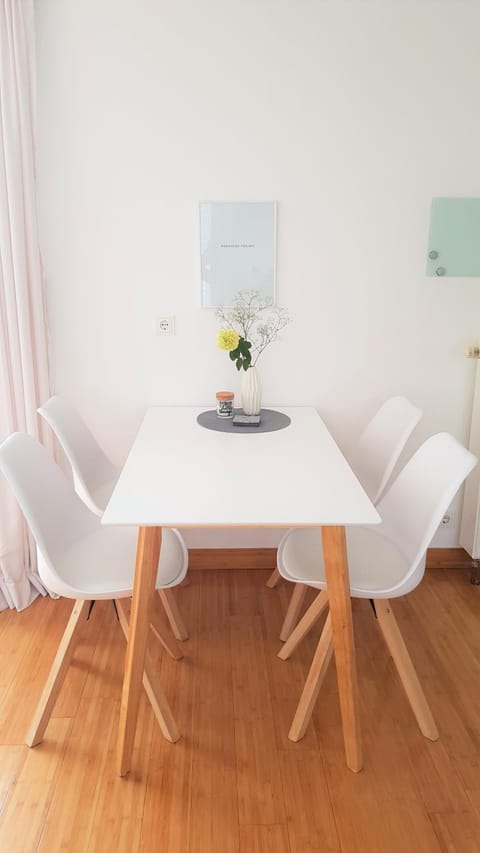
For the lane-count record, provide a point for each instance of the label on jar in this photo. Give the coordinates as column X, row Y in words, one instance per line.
column 225, row 408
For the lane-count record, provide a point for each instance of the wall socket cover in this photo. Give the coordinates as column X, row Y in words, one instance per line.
column 165, row 326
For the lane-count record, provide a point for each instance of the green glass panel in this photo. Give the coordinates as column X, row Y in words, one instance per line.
column 455, row 235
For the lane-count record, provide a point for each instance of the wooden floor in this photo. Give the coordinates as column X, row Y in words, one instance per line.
column 234, row 782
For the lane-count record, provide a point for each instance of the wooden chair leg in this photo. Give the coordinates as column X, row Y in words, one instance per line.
column 56, row 675
column 151, row 683
column 157, row 628
column 305, row 625
column 405, row 668
column 171, row 646
column 173, row 613
column 293, row 610
column 273, row 579
column 313, row 683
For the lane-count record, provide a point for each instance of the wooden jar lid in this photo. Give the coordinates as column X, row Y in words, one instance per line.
column 225, row 395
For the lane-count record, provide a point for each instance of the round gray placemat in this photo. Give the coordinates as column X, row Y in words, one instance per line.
column 270, row 421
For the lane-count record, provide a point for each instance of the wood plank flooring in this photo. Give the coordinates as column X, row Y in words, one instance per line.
column 234, row 783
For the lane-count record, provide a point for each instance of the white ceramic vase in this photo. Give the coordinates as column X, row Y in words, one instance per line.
column 251, row 390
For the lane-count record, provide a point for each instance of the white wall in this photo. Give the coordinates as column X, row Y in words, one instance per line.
column 352, row 115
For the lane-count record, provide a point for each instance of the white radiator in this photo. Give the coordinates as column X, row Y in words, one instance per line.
column 470, row 525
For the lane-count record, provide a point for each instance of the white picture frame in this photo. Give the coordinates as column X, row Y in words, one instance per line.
column 237, row 250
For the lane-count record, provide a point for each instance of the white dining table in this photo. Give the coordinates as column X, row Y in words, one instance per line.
column 179, row 474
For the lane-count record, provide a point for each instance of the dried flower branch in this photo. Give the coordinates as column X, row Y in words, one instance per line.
column 257, row 322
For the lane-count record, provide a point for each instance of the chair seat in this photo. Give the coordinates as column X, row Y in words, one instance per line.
column 377, row 568
column 101, row 565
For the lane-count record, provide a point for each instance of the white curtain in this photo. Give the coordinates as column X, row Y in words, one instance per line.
column 23, row 345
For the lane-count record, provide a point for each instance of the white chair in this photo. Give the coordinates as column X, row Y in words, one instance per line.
column 80, row 559
column 372, row 458
column 95, row 477
column 93, row 474
column 385, row 560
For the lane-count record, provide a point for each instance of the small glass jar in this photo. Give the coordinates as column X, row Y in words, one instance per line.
column 224, row 404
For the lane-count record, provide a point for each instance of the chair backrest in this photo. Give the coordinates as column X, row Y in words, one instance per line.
column 417, row 500
column 378, row 448
column 55, row 514
column 91, row 468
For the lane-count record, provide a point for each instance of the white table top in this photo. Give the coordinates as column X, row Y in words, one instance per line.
column 179, row 474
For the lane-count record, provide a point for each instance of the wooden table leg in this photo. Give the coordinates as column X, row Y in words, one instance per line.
column 146, row 565
column 338, row 586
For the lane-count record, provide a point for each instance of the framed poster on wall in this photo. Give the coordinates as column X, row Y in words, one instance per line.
column 238, row 250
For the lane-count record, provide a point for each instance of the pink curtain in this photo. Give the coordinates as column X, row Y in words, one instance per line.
column 23, row 346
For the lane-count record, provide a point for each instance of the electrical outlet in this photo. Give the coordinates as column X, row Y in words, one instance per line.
column 165, row 326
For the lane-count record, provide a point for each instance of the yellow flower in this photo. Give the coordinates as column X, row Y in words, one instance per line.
column 227, row 339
